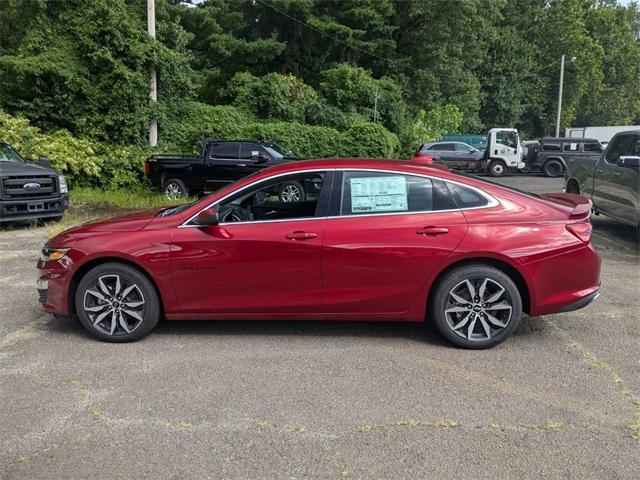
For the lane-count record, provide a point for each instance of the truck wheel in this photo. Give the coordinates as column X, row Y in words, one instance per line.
column 572, row 187
column 292, row 192
column 175, row 189
column 553, row 168
column 497, row 168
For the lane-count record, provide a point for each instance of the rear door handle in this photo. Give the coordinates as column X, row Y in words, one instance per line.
column 432, row 231
column 300, row 235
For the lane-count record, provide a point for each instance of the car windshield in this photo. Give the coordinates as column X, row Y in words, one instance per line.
column 9, row 154
column 173, row 210
column 273, row 146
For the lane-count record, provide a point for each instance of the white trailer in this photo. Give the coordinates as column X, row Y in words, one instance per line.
column 602, row 134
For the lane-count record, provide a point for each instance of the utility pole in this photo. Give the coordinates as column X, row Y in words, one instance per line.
column 560, row 96
column 153, row 80
column 375, row 107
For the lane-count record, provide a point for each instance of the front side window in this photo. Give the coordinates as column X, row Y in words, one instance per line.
column 294, row 196
column 461, row 147
column 509, row 139
column 592, row 147
column 551, row 147
column 620, row 146
column 225, row 151
column 365, row 193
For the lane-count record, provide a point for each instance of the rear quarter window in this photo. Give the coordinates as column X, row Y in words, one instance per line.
column 466, row 197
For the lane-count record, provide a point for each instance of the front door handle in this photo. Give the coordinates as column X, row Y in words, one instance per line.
column 432, row 231
column 300, row 235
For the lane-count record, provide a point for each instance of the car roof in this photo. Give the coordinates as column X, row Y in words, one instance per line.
column 360, row 163
column 570, row 139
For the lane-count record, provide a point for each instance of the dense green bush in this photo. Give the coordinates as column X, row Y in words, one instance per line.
column 370, row 140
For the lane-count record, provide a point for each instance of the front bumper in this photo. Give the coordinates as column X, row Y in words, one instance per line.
column 27, row 209
column 53, row 287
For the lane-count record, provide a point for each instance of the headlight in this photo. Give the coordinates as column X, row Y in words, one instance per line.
column 50, row 254
column 62, row 182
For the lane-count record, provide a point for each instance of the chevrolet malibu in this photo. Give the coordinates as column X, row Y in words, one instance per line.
column 377, row 240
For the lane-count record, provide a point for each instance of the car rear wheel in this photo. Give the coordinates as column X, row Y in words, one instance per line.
column 476, row 306
column 553, row 168
column 175, row 189
column 292, row 192
column 497, row 168
column 117, row 303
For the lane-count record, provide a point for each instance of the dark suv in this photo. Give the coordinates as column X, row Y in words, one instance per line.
column 551, row 154
column 220, row 162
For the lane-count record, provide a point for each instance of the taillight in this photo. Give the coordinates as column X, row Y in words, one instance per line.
column 147, row 167
column 581, row 230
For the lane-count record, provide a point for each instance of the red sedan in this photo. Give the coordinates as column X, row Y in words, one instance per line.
column 364, row 240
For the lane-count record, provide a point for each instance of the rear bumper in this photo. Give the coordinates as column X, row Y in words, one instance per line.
column 583, row 302
column 564, row 282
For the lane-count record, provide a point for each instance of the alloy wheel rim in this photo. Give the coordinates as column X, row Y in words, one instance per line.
column 114, row 305
column 290, row 193
column 478, row 309
column 173, row 191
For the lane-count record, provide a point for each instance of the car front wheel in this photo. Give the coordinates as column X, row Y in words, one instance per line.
column 476, row 306
column 117, row 303
column 553, row 168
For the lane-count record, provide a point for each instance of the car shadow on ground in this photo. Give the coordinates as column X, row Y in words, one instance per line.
column 617, row 237
column 417, row 332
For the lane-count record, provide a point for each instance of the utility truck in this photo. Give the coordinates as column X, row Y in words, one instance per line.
column 504, row 152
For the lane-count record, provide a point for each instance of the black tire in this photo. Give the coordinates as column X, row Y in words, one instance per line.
column 441, row 303
column 553, row 168
column 497, row 168
column 291, row 192
column 572, row 187
column 143, row 291
column 175, row 189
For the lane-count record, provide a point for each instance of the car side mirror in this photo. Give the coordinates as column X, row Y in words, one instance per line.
column 44, row 162
column 207, row 218
column 629, row 161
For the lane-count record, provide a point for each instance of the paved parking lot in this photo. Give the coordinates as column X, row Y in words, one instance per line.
column 560, row 399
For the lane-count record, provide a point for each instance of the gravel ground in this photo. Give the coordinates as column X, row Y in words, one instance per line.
column 276, row 400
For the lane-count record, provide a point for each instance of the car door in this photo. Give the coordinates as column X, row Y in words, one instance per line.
column 222, row 164
column 262, row 259
column 387, row 232
column 615, row 187
column 445, row 153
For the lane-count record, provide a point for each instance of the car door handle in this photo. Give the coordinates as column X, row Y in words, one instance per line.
column 299, row 235
column 432, row 231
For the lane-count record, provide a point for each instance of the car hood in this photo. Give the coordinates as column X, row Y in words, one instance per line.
column 124, row 223
column 15, row 168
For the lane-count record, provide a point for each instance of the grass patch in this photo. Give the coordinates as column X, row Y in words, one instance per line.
column 137, row 198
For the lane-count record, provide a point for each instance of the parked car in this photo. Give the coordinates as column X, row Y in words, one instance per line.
column 552, row 153
column 454, row 155
column 384, row 240
column 612, row 180
column 28, row 190
column 220, row 162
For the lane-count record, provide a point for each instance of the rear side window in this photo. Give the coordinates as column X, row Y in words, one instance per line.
column 467, row 197
column 379, row 192
column 570, row 147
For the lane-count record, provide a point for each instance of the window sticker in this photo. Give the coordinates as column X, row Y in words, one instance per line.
column 379, row 194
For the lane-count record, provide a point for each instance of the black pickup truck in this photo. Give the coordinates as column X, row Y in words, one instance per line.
column 220, row 162
column 29, row 190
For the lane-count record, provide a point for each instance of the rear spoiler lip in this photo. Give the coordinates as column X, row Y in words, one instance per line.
column 581, row 205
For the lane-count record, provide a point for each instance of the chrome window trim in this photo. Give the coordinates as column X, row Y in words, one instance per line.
column 492, row 201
